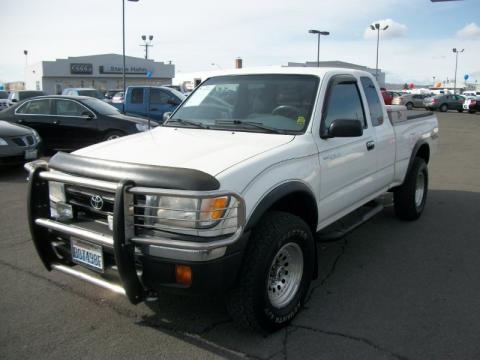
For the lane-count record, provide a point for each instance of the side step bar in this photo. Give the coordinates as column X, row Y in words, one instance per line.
column 347, row 224
column 89, row 278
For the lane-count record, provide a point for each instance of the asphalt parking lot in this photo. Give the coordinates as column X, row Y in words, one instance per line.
column 388, row 290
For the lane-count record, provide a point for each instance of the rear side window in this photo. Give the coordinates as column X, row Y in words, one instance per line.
column 137, row 96
column 35, row 107
column 344, row 102
column 374, row 105
column 69, row 108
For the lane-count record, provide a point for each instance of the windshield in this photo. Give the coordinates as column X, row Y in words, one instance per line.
column 93, row 93
column 260, row 103
column 101, row 107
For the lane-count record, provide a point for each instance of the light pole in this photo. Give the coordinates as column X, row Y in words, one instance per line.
column 319, row 33
column 147, row 44
column 456, row 64
column 215, row 64
column 378, row 28
column 123, row 34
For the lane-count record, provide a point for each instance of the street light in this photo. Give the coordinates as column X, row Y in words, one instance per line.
column 147, row 43
column 319, row 33
column 378, row 28
column 123, row 33
column 456, row 64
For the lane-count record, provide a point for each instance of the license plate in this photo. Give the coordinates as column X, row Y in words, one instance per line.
column 86, row 254
column 31, row 154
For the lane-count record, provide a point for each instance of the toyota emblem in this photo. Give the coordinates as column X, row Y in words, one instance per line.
column 96, row 202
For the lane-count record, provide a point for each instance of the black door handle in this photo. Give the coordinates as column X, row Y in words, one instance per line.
column 370, row 145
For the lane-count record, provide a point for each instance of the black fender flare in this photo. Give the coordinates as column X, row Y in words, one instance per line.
column 275, row 195
column 415, row 150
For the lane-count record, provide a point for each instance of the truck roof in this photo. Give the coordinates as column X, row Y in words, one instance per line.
column 284, row 70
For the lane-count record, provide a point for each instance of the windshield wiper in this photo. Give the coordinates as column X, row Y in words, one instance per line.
column 251, row 124
column 188, row 122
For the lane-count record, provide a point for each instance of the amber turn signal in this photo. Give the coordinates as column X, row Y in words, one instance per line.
column 183, row 274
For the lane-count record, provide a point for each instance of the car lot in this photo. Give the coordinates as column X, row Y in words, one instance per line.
column 389, row 290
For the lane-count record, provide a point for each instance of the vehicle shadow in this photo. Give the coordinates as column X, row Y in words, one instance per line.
column 13, row 174
column 389, row 264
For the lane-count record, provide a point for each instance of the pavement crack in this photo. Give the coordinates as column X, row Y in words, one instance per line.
column 330, row 272
column 360, row 339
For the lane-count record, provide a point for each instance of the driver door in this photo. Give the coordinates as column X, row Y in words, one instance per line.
column 347, row 164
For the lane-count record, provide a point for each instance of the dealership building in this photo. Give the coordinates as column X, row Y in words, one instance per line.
column 102, row 72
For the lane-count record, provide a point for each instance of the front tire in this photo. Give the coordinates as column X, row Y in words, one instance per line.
column 275, row 275
column 444, row 108
column 409, row 106
column 409, row 198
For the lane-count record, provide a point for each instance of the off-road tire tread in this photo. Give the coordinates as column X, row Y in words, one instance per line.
column 404, row 195
column 240, row 301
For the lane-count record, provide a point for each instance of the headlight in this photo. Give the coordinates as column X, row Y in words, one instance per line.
column 36, row 136
column 59, row 209
column 3, row 142
column 188, row 213
column 142, row 127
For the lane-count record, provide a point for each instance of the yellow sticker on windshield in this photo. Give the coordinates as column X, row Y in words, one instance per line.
column 300, row 120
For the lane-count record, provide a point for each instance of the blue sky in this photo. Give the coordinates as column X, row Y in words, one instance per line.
column 194, row 34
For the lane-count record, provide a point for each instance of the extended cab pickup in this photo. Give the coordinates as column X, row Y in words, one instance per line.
column 230, row 192
column 150, row 101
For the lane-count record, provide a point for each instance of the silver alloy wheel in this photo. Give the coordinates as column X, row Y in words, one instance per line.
column 285, row 275
column 419, row 189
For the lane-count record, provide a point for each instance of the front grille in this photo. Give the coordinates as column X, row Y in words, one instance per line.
column 90, row 203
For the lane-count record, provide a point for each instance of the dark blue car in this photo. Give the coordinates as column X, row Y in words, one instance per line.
column 150, row 101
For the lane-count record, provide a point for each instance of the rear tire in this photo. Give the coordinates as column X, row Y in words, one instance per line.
column 409, row 106
column 460, row 110
column 443, row 108
column 114, row 134
column 409, row 198
column 276, row 273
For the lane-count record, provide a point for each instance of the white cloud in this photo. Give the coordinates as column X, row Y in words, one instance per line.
column 470, row 31
column 395, row 30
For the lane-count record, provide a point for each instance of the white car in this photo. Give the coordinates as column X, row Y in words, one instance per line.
column 227, row 195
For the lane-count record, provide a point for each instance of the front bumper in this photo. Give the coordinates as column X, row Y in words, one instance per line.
column 143, row 265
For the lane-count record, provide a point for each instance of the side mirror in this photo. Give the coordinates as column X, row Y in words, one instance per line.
column 14, row 100
column 87, row 115
column 166, row 115
column 344, row 128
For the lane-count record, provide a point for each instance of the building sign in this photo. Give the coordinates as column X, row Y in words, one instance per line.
column 77, row 68
column 117, row 69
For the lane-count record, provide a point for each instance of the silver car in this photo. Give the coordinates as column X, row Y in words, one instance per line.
column 410, row 100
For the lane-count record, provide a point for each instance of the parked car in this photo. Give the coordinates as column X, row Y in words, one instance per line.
column 410, row 100
column 3, row 99
column 20, row 95
column 72, row 122
column 118, row 98
column 150, row 101
column 109, row 94
column 18, row 144
column 444, row 102
column 84, row 92
column 471, row 93
column 227, row 197
column 388, row 96
column 472, row 105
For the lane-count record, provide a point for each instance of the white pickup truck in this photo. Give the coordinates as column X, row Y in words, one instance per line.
column 230, row 192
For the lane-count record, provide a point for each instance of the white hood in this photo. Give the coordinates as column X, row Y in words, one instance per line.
column 210, row 151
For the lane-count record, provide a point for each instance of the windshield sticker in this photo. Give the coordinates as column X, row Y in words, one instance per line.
column 300, row 120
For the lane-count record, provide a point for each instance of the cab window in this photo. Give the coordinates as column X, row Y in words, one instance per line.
column 35, row 107
column 68, row 108
column 374, row 105
column 344, row 102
